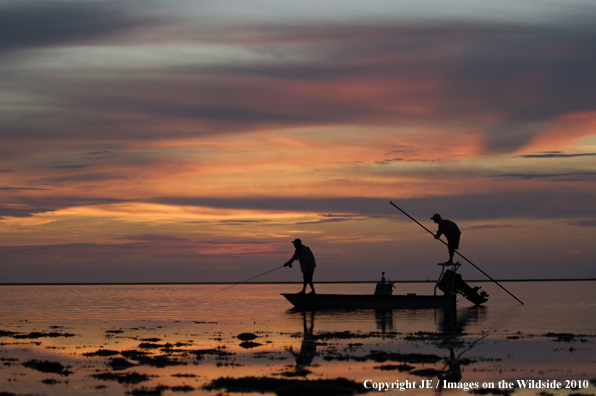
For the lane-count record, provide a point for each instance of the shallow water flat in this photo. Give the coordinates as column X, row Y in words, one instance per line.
column 168, row 339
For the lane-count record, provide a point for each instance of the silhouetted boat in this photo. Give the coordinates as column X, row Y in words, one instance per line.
column 450, row 283
column 369, row 301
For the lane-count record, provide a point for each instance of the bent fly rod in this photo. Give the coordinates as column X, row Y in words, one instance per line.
column 458, row 253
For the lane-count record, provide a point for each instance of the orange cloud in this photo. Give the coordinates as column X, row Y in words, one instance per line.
column 563, row 131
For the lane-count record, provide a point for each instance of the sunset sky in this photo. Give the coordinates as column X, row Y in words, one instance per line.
column 192, row 141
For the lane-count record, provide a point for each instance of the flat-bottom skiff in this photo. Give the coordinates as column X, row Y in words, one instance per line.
column 364, row 301
column 450, row 283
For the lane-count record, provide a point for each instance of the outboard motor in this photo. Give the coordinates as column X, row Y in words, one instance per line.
column 452, row 282
column 384, row 287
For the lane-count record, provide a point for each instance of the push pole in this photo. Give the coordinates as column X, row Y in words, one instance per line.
column 458, row 253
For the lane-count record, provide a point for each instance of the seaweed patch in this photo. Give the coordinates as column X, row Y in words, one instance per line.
column 287, row 387
column 45, row 366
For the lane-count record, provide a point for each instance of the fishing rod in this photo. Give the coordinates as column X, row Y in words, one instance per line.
column 254, row 277
column 458, row 253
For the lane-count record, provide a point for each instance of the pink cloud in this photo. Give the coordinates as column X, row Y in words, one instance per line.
column 563, row 131
column 498, row 227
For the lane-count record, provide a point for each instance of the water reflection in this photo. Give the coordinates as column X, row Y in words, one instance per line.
column 453, row 371
column 448, row 335
column 454, row 321
column 446, row 321
column 452, row 328
column 308, row 348
column 384, row 320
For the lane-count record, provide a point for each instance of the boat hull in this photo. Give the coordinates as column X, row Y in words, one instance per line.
column 364, row 301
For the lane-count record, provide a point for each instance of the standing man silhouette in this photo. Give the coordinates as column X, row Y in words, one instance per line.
column 451, row 232
column 307, row 264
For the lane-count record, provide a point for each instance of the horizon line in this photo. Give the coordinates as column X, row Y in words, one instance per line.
column 270, row 283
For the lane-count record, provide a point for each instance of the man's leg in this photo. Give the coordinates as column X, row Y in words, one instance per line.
column 305, row 282
column 304, row 286
column 453, row 244
column 312, row 287
column 308, row 280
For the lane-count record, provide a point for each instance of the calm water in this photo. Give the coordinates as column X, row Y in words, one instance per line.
column 549, row 306
column 503, row 340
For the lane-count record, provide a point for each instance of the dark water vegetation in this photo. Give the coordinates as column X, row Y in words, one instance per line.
column 289, row 352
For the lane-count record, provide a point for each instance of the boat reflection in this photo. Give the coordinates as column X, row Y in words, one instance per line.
column 384, row 321
column 447, row 321
column 454, row 321
column 447, row 335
